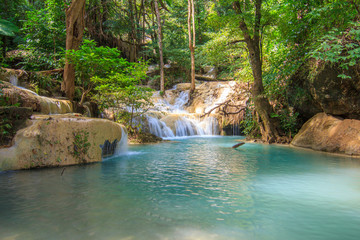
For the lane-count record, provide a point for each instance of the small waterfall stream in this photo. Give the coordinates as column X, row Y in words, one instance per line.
column 169, row 118
column 47, row 105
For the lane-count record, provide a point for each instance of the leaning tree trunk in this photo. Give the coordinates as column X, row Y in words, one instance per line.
column 74, row 33
column 191, row 32
column 162, row 79
column 268, row 125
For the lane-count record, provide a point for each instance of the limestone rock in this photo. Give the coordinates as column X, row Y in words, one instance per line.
column 183, row 86
column 60, row 140
column 330, row 134
column 27, row 98
column 326, row 92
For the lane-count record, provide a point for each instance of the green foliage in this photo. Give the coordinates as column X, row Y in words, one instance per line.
column 289, row 121
column 91, row 61
column 45, row 35
column 40, row 82
column 3, row 99
column 7, row 28
column 340, row 47
column 121, row 93
column 81, row 145
column 5, row 129
column 250, row 125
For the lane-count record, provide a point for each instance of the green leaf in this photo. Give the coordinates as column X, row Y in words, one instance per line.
column 7, row 28
column 343, row 76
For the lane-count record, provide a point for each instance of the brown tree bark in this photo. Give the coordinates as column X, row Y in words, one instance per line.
column 74, row 32
column 268, row 125
column 191, row 32
column 162, row 78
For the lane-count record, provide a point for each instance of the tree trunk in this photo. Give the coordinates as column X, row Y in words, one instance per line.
column 191, row 32
column 268, row 125
column 74, row 33
column 162, row 79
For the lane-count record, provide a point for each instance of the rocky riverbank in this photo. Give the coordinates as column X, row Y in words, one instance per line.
column 60, row 140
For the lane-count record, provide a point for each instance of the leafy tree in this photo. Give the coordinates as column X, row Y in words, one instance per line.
column 44, row 30
column 339, row 47
column 121, row 92
column 92, row 61
column 251, row 31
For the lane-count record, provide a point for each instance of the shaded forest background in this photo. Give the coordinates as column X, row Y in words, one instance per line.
column 289, row 42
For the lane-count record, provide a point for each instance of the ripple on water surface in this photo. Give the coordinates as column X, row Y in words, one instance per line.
column 197, row 188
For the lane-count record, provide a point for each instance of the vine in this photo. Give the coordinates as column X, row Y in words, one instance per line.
column 81, row 145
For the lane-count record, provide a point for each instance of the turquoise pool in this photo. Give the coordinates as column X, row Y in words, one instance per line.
column 194, row 188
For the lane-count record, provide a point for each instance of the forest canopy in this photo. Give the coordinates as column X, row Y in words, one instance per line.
column 263, row 42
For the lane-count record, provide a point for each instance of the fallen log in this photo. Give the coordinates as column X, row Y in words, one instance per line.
column 238, row 145
column 211, row 79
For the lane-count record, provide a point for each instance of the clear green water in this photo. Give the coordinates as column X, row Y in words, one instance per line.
column 196, row 188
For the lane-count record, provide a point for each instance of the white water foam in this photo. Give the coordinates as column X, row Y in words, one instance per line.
column 182, row 122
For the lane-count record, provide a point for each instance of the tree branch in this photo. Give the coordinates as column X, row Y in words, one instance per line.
column 257, row 20
column 225, row 104
column 236, row 41
column 242, row 23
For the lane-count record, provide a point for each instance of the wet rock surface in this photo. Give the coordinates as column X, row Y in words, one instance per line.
column 332, row 134
column 40, row 104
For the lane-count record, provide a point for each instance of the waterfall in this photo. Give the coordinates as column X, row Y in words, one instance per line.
column 49, row 105
column 184, row 126
column 117, row 147
column 169, row 118
column 159, row 128
column 54, row 106
column 181, row 101
column 122, row 145
column 14, row 80
column 173, row 115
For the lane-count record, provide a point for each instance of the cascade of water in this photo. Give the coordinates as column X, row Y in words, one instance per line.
column 184, row 127
column 211, row 126
column 54, row 106
column 50, row 105
column 14, row 80
column 181, row 123
column 122, row 145
column 181, row 101
column 159, row 128
column 224, row 94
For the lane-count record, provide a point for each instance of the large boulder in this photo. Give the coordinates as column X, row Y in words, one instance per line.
column 327, row 133
column 61, row 140
column 324, row 91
